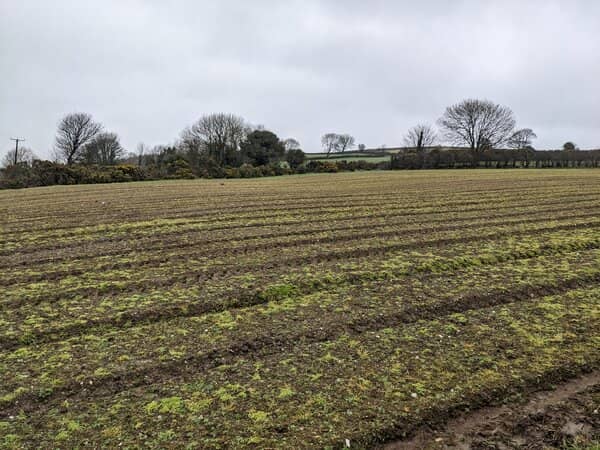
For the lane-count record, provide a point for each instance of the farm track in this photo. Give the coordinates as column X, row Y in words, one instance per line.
column 290, row 312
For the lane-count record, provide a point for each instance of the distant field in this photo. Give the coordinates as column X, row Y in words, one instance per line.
column 373, row 159
column 348, row 157
column 291, row 312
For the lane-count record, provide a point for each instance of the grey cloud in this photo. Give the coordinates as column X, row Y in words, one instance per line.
column 146, row 69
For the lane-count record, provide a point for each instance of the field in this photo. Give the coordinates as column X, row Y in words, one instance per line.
column 295, row 312
column 348, row 156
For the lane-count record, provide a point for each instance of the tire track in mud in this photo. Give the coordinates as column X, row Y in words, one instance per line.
column 436, row 416
column 464, row 430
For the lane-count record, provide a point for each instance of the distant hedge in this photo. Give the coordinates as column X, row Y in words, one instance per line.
column 342, row 166
column 464, row 158
column 46, row 173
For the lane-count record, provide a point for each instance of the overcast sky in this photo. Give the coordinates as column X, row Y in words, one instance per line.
column 146, row 69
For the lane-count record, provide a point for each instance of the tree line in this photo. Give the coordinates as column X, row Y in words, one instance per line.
column 215, row 139
column 216, row 145
column 485, row 135
column 226, row 145
column 441, row 158
column 477, row 125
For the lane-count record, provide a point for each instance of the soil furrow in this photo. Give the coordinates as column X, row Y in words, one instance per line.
column 403, row 212
column 188, row 367
column 373, row 232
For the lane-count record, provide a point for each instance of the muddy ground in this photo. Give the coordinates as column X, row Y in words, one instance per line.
column 566, row 417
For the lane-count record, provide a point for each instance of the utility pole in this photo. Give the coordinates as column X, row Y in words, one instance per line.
column 17, row 140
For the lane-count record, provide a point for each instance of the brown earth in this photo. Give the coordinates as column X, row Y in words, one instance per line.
column 567, row 417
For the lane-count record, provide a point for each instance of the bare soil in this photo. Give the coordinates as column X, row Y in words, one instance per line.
column 567, row 417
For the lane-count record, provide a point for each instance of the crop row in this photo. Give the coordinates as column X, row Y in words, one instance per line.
column 289, row 315
column 365, row 388
column 197, row 268
column 176, row 235
column 27, row 242
column 290, row 312
column 107, row 204
column 251, row 278
column 138, row 255
column 151, row 299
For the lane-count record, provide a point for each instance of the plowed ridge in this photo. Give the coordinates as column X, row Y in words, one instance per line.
column 294, row 312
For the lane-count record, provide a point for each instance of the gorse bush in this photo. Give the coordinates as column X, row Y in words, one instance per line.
column 46, row 173
column 318, row 166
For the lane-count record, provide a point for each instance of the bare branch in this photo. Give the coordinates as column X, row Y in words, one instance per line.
column 291, row 144
column 521, row 139
column 420, row 136
column 216, row 134
column 333, row 142
column 74, row 132
column 20, row 155
column 104, row 149
column 330, row 142
column 345, row 142
column 478, row 124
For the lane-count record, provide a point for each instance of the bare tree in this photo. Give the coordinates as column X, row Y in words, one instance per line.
column 74, row 132
column 141, row 149
column 218, row 135
column 420, row 136
column 362, row 147
column 345, row 142
column 330, row 143
column 333, row 142
column 20, row 155
column 104, row 149
column 521, row 139
column 478, row 124
column 291, row 144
